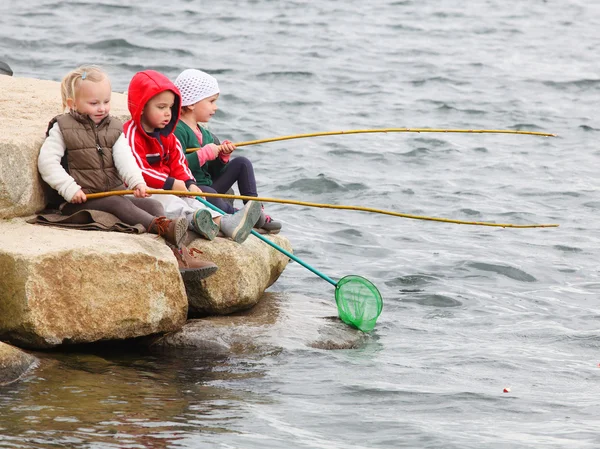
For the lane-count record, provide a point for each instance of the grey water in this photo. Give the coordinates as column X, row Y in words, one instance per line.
column 469, row 311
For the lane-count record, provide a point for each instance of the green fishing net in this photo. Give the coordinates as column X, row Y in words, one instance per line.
column 358, row 301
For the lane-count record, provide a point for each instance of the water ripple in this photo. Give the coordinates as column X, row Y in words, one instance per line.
column 505, row 270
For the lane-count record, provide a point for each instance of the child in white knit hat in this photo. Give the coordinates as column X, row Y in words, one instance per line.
column 210, row 164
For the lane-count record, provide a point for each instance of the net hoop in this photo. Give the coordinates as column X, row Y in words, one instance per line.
column 358, row 301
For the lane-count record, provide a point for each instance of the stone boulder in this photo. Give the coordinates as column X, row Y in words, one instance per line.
column 26, row 107
column 14, row 363
column 245, row 271
column 279, row 322
column 60, row 286
column 5, row 69
column 67, row 286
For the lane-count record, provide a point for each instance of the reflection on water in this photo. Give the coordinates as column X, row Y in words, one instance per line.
column 123, row 399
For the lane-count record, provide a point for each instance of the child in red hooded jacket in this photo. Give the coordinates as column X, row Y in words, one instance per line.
column 154, row 103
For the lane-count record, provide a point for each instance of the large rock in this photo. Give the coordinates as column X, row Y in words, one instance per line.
column 26, row 107
column 66, row 286
column 245, row 272
column 62, row 286
column 278, row 322
column 5, row 69
column 14, row 363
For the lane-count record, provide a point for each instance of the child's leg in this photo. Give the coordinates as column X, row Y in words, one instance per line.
column 121, row 207
column 219, row 202
column 150, row 205
column 240, row 170
column 128, row 210
column 202, row 220
column 176, row 206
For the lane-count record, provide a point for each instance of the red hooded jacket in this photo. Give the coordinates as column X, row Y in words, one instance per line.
column 161, row 158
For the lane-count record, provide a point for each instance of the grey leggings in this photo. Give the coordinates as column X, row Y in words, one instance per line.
column 129, row 210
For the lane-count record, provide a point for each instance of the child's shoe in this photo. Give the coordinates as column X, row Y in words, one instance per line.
column 238, row 226
column 204, row 225
column 173, row 231
column 191, row 267
column 266, row 224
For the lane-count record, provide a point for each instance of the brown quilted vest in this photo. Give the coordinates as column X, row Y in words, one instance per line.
column 88, row 156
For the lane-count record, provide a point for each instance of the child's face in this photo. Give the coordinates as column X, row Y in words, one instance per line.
column 157, row 112
column 92, row 99
column 205, row 109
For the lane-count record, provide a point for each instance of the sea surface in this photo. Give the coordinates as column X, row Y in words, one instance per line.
column 469, row 311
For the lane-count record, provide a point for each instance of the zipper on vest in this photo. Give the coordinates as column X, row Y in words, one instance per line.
column 101, row 154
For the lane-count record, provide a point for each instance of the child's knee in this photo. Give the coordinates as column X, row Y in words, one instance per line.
column 156, row 209
column 244, row 161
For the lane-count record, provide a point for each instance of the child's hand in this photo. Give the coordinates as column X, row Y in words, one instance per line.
column 195, row 188
column 139, row 191
column 79, row 197
column 215, row 149
column 179, row 185
column 227, row 147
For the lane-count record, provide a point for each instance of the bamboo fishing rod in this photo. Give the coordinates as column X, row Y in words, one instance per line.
column 387, row 130
column 321, row 205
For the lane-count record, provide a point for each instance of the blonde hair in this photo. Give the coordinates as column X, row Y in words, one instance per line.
column 70, row 83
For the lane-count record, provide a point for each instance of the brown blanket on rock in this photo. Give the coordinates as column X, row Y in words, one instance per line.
column 92, row 220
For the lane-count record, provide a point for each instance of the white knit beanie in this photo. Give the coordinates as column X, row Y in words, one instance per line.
column 195, row 85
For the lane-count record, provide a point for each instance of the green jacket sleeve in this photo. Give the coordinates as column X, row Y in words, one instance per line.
column 216, row 166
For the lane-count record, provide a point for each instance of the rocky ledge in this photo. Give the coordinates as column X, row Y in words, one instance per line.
column 60, row 286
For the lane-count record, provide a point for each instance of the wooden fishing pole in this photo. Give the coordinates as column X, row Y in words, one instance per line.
column 387, row 130
column 321, row 205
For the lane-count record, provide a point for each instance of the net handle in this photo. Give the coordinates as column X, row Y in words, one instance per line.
column 276, row 246
column 308, row 267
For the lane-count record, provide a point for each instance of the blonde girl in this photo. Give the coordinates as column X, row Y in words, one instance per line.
column 85, row 152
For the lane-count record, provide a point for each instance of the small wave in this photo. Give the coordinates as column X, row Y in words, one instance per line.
column 167, row 32
column 416, row 152
column 349, row 232
column 29, row 44
column 360, row 155
column 525, row 127
column 110, row 8
column 588, row 128
column 404, row 27
column 470, row 212
column 505, row 270
column 292, row 74
column 139, row 67
column 434, row 300
column 45, row 14
column 123, row 44
column 552, row 193
column 448, row 15
column 412, row 279
column 430, row 141
column 437, row 79
column 294, row 103
column 116, row 43
column 446, row 107
column 567, row 249
column 323, row 184
column 592, row 204
column 229, row 19
column 314, row 54
column 580, row 84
